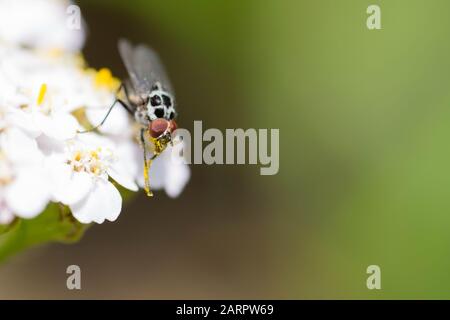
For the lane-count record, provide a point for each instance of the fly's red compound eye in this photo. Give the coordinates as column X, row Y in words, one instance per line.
column 158, row 127
column 172, row 126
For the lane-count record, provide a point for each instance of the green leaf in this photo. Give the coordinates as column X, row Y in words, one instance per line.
column 55, row 224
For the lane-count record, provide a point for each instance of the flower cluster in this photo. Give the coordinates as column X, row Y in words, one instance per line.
column 47, row 96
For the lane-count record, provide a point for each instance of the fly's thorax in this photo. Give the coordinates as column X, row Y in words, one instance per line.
column 161, row 104
column 141, row 115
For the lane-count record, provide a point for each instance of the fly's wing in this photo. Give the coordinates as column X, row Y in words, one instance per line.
column 151, row 68
column 130, row 93
column 144, row 67
column 127, row 54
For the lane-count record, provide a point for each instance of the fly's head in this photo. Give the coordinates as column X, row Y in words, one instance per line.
column 161, row 131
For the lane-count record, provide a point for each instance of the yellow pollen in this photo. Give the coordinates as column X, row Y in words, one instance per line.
column 41, row 95
column 55, row 52
column 147, row 164
column 77, row 156
column 159, row 145
column 94, row 154
column 95, row 170
column 104, row 78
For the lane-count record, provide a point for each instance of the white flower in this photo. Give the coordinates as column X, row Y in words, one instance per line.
column 79, row 177
column 41, row 85
column 40, row 24
column 44, row 117
column 23, row 190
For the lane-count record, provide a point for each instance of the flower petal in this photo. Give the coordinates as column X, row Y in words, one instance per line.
column 46, row 26
column 59, row 126
column 6, row 216
column 67, row 186
column 28, row 195
column 157, row 174
column 117, row 123
column 21, row 148
column 123, row 177
column 177, row 177
column 103, row 202
column 124, row 169
column 24, row 121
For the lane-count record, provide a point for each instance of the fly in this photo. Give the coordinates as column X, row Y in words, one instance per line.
column 150, row 100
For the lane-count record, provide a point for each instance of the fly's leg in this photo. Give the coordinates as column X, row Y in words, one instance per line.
column 147, row 164
column 122, row 103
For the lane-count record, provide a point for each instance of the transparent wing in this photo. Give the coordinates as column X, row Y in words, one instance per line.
column 144, row 67
column 151, row 68
column 127, row 54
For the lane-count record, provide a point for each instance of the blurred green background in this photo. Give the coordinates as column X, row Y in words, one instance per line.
column 364, row 124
